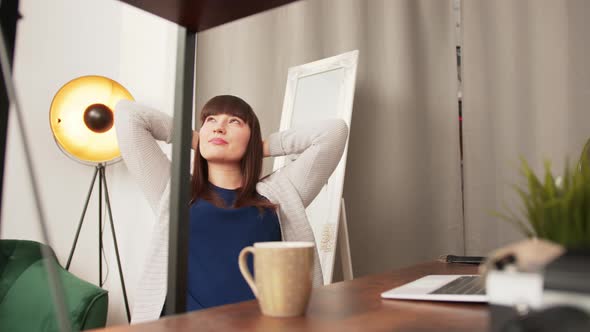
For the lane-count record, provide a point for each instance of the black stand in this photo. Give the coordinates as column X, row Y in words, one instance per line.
column 102, row 181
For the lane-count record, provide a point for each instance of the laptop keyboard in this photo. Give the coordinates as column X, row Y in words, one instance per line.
column 467, row 285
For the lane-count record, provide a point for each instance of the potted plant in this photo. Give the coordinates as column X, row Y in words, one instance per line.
column 552, row 266
column 555, row 208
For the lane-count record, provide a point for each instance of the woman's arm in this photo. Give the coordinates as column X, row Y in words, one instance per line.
column 266, row 149
column 139, row 127
column 320, row 149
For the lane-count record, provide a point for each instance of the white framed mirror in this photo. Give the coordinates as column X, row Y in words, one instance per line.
column 316, row 91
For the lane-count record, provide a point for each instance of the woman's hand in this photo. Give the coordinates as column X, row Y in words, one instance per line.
column 195, row 142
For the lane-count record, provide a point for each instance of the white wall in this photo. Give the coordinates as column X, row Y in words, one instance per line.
column 57, row 41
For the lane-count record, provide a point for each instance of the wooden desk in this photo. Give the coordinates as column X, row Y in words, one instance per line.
column 345, row 306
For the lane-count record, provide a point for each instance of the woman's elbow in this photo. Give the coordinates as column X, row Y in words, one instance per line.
column 340, row 129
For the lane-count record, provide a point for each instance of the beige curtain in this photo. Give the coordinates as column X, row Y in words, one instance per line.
column 402, row 187
column 526, row 94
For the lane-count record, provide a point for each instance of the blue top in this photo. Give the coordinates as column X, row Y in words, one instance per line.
column 217, row 235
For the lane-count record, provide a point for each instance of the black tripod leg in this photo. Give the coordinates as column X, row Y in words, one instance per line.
column 81, row 220
column 103, row 177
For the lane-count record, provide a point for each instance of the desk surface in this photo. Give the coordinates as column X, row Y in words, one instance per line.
column 345, row 306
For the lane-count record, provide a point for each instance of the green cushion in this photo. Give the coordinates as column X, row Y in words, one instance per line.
column 25, row 300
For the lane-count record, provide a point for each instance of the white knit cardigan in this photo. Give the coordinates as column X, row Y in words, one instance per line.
column 319, row 148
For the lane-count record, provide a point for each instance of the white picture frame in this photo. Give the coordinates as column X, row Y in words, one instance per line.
column 320, row 90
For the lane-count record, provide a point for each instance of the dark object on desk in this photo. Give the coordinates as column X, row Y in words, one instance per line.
column 564, row 276
column 505, row 261
column 463, row 259
column 558, row 318
column 569, row 272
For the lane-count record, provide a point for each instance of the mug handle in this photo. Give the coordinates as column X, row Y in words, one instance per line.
column 244, row 269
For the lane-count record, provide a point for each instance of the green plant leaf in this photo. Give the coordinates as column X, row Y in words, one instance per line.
column 560, row 211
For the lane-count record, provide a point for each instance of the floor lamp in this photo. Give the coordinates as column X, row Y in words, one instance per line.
column 82, row 122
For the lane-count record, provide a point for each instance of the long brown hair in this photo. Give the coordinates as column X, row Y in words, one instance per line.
column 250, row 165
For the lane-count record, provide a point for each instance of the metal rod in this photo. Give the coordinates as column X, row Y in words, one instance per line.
column 55, row 285
column 81, row 219
column 108, row 201
column 180, row 177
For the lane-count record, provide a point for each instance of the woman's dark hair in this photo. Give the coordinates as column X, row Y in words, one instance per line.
column 250, row 165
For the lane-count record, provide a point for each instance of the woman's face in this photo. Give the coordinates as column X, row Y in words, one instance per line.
column 224, row 138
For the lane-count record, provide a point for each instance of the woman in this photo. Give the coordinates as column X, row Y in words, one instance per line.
column 231, row 207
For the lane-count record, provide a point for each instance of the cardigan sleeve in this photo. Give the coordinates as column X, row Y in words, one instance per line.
column 320, row 149
column 138, row 128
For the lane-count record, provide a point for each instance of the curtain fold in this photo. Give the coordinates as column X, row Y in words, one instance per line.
column 526, row 94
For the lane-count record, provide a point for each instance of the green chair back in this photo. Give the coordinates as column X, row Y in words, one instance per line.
column 25, row 298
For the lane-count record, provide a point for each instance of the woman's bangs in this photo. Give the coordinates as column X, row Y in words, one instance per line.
column 226, row 111
column 218, row 106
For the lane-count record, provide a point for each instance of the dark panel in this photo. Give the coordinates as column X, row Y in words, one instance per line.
column 199, row 15
column 8, row 17
column 180, row 173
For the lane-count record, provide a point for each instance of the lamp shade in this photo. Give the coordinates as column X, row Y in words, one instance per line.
column 82, row 118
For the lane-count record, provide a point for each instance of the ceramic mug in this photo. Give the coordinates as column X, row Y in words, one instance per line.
column 283, row 276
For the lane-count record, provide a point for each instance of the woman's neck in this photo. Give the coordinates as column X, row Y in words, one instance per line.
column 227, row 176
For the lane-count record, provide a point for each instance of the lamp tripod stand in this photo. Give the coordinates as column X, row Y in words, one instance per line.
column 102, row 182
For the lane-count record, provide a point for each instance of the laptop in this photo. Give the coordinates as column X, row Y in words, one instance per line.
column 451, row 288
